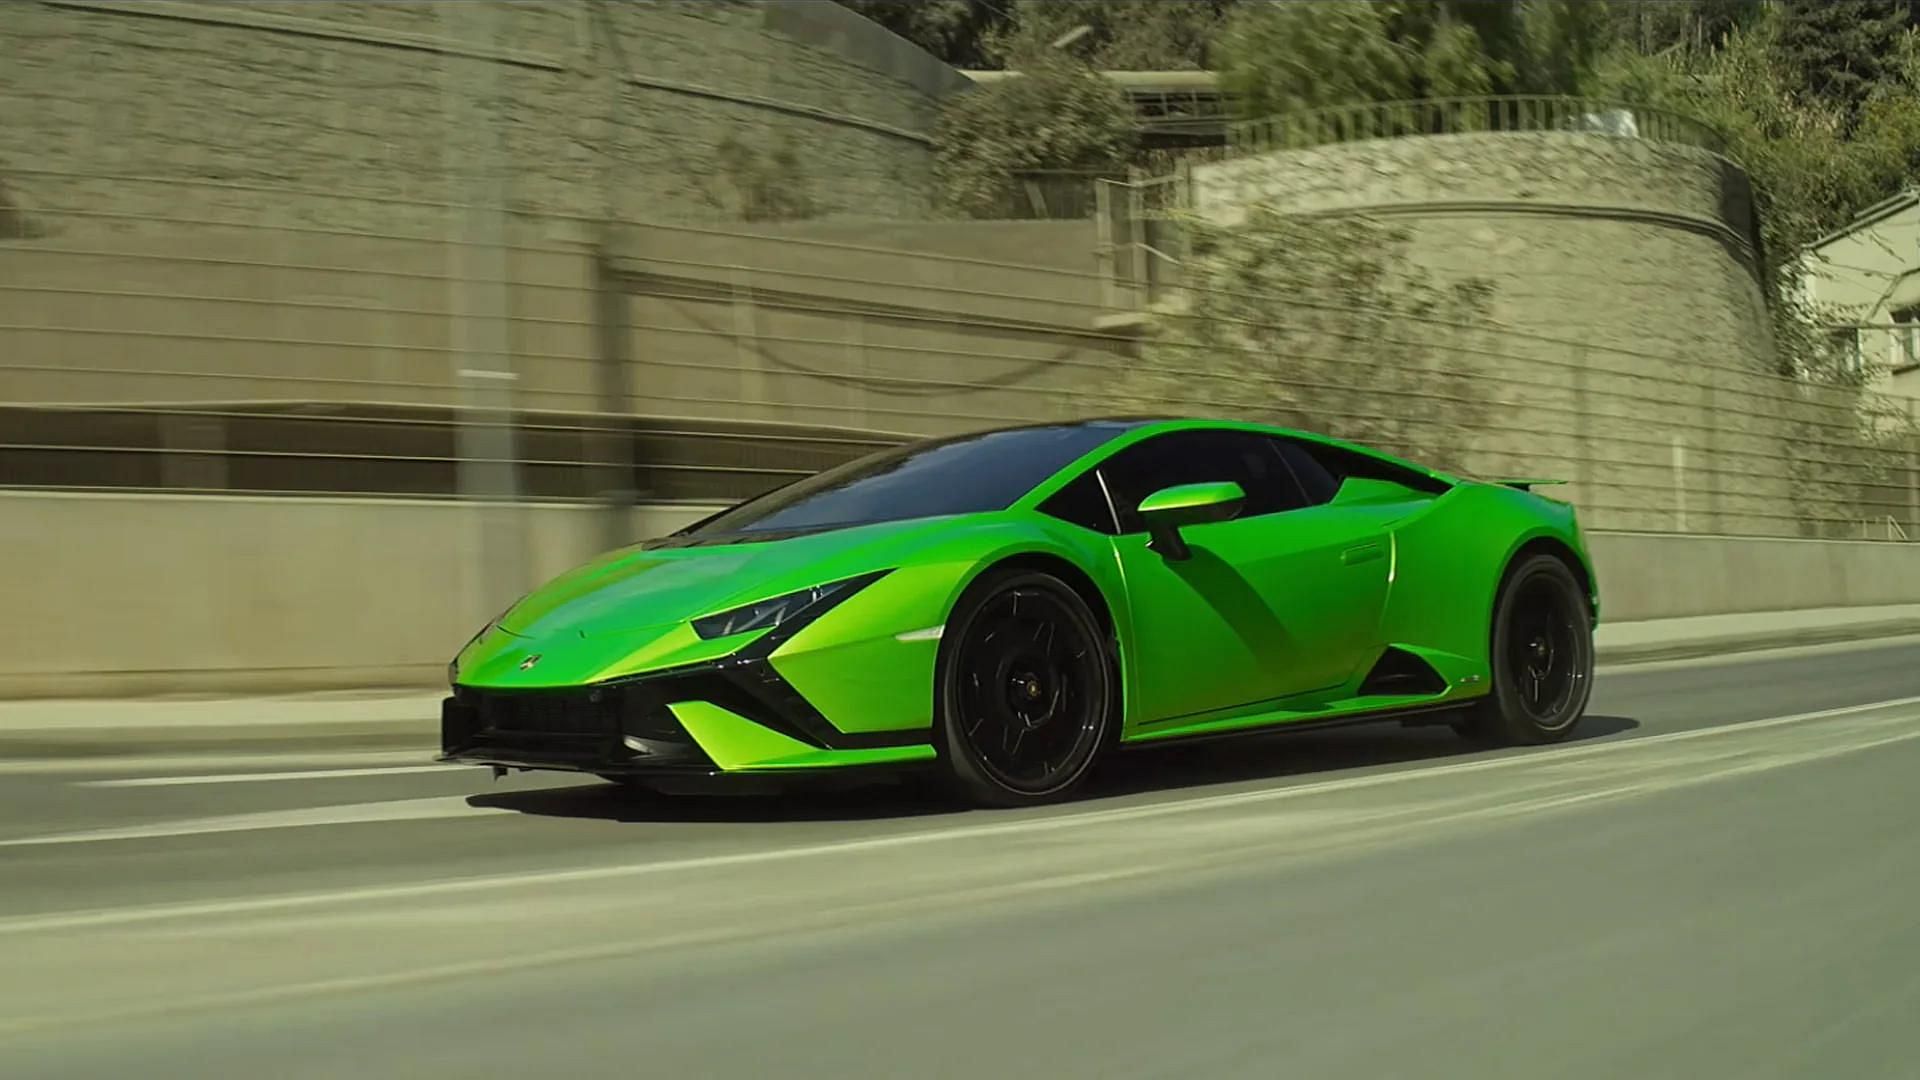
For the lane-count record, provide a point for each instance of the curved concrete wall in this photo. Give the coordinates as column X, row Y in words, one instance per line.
column 1616, row 242
column 341, row 115
column 1624, row 274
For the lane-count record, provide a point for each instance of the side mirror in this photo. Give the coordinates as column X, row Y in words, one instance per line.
column 1169, row 510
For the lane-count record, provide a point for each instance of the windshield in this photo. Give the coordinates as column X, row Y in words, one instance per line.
column 962, row 475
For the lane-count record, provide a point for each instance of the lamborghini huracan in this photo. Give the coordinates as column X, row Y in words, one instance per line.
column 1006, row 607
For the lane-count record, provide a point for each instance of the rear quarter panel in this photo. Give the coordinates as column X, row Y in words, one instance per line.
column 1449, row 561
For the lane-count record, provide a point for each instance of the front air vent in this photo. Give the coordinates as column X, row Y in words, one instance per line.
column 1399, row 673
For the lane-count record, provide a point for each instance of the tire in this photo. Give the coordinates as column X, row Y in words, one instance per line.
column 1541, row 656
column 1024, row 690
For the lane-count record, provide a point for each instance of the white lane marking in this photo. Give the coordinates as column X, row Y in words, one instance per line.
column 269, row 777
column 349, row 814
column 161, row 762
column 501, row 965
column 127, row 916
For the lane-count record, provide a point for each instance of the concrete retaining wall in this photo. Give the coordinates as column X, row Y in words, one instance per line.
column 144, row 594
column 1635, row 337
column 353, row 115
column 1662, row 576
column 891, row 326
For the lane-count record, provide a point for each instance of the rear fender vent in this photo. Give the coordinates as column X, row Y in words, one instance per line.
column 1399, row 673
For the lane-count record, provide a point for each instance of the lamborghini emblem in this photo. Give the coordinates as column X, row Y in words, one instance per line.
column 529, row 662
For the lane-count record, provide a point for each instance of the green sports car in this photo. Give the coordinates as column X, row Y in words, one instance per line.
column 1007, row 606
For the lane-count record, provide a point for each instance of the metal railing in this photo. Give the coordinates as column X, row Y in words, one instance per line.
column 1307, row 128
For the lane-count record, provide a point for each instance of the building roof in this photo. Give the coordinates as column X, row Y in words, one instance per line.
column 1871, row 216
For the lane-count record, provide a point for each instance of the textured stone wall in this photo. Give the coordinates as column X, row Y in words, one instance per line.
column 1631, row 332
column 1615, row 242
column 344, row 114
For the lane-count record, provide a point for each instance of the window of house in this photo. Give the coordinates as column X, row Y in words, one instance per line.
column 1846, row 349
column 1906, row 337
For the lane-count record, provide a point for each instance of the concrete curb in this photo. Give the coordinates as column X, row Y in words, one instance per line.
column 1628, row 654
column 332, row 724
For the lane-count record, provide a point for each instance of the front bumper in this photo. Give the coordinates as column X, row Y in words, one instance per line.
column 610, row 731
column 627, row 726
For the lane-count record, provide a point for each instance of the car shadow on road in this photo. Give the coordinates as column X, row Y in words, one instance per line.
column 1327, row 751
column 875, row 799
column 1178, row 767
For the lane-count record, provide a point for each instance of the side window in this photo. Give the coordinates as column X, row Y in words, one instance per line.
column 1315, row 479
column 1341, row 463
column 1083, row 503
column 1199, row 457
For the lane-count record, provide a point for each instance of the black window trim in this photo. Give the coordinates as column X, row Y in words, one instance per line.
column 1266, row 438
column 1094, row 474
column 1319, row 452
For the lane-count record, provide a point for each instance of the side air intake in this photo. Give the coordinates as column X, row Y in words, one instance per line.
column 1399, row 673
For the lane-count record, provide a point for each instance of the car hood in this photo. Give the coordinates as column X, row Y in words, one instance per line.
column 636, row 588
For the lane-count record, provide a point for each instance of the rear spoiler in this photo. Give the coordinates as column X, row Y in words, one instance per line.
column 1524, row 484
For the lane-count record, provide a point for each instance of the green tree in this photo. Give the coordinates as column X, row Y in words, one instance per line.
column 1320, row 323
column 1057, row 115
column 1700, row 25
column 1288, row 56
column 953, row 30
column 1840, row 51
column 1564, row 40
column 759, row 184
column 1815, row 162
column 1141, row 35
column 1281, row 58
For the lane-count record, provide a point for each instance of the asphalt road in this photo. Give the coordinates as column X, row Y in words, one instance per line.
column 1710, row 882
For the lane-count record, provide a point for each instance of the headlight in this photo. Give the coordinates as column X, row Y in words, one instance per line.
column 767, row 614
column 453, row 665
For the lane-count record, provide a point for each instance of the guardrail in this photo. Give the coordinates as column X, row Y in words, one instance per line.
column 1308, row 128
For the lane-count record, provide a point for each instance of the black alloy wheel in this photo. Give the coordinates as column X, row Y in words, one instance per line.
column 1542, row 657
column 1026, row 689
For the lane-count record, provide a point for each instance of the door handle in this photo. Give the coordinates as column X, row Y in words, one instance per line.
column 1354, row 556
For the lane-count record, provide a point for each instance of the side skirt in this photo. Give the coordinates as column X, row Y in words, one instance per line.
column 1428, row 715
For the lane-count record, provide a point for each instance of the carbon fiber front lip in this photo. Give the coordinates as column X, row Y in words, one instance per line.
column 638, row 766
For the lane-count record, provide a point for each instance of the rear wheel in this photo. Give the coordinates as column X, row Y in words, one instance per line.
column 1542, row 658
column 1025, row 690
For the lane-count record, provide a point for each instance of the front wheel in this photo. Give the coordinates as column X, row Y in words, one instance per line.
column 1025, row 690
column 1542, row 658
